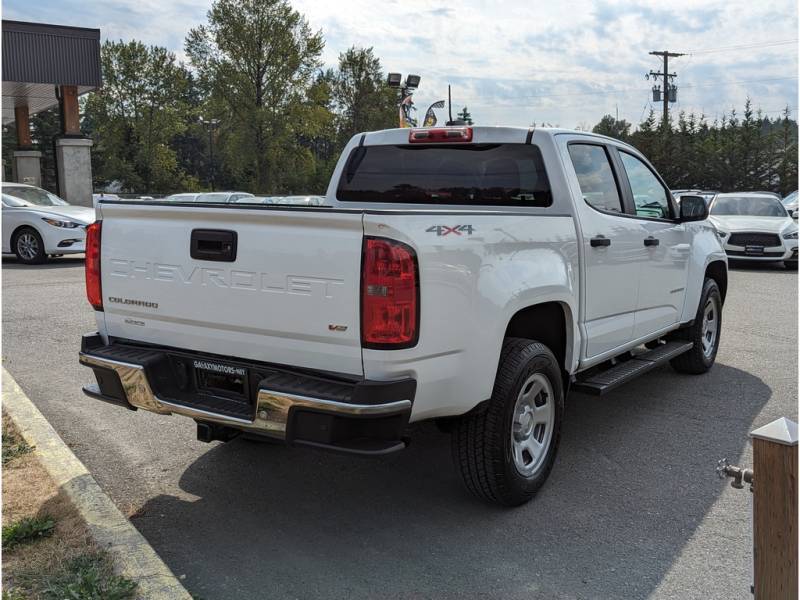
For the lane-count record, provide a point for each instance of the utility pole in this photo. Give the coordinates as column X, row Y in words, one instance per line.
column 666, row 77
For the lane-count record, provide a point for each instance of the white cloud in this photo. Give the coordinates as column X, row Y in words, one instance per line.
column 518, row 62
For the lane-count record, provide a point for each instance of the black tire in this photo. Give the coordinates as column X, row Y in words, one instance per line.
column 482, row 439
column 33, row 251
column 696, row 361
column 790, row 265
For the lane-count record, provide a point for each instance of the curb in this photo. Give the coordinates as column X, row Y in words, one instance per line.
column 133, row 557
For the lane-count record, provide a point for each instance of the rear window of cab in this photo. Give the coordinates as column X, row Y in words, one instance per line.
column 468, row 174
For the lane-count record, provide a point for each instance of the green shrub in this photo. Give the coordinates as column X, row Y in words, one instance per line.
column 27, row 530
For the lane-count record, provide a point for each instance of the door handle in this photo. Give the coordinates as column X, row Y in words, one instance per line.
column 600, row 241
column 651, row 241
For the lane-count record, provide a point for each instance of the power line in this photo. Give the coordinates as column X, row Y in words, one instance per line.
column 743, row 47
column 723, row 82
column 720, row 82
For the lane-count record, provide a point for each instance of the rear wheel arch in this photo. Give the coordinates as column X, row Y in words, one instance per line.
column 549, row 323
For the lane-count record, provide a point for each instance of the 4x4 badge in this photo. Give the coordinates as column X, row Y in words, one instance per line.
column 441, row 230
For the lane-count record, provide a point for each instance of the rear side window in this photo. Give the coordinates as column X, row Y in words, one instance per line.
column 598, row 186
column 483, row 174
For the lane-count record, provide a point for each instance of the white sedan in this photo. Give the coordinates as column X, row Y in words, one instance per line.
column 755, row 227
column 38, row 224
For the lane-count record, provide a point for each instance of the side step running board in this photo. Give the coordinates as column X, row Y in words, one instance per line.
column 605, row 381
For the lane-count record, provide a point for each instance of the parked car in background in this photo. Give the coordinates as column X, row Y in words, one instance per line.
column 755, row 226
column 210, row 197
column 707, row 195
column 222, row 197
column 38, row 224
column 287, row 200
column 790, row 204
column 181, row 198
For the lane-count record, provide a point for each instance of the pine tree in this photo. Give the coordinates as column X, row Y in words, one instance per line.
column 465, row 116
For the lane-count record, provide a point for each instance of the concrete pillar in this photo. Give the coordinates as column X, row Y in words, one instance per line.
column 74, row 160
column 27, row 167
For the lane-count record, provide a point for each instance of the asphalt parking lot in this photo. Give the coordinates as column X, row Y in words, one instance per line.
column 632, row 509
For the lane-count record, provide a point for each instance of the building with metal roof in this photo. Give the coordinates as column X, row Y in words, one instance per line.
column 46, row 66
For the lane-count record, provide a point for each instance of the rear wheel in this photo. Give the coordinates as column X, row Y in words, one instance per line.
column 704, row 333
column 505, row 449
column 29, row 247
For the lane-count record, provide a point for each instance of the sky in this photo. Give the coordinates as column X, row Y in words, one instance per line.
column 518, row 62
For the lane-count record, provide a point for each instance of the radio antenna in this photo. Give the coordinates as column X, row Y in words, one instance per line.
column 449, row 103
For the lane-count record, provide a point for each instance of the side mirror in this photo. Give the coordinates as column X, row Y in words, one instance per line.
column 693, row 208
column 794, row 214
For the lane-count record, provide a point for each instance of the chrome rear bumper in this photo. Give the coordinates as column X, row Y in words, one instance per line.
column 273, row 411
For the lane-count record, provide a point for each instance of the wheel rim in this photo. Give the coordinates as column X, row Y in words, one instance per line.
column 532, row 427
column 27, row 246
column 710, row 327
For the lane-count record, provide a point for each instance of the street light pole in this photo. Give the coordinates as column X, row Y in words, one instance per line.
column 211, row 125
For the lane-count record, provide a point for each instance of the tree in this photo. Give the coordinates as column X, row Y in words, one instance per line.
column 45, row 127
column 134, row 117
column 730, row 154
column 258, row 59
column 361, row 98
column 608, row 125
column 786, row 154
column 465, row 116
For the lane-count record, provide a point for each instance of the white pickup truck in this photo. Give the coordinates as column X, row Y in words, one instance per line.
column 470, row 275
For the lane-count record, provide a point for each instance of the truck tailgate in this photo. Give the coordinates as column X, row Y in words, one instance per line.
column 291, row 296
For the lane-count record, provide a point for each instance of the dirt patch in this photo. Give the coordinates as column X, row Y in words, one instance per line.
column 38, row 567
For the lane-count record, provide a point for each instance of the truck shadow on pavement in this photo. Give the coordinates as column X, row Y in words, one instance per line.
column 633, row 480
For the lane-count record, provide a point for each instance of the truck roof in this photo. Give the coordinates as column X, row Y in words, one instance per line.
column 481, row 134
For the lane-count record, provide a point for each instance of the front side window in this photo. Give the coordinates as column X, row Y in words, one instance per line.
column 598, row 186
column 649, row 196
column 477, row 174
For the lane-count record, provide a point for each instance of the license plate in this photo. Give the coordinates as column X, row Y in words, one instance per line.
column 756, row 250
column 220, row 378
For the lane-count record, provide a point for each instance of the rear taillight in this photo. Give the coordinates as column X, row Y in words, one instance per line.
column 389, row 295
column 94, row 291
column 441, row 134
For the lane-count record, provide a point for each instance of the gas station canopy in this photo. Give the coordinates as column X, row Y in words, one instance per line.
column 38, row 59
